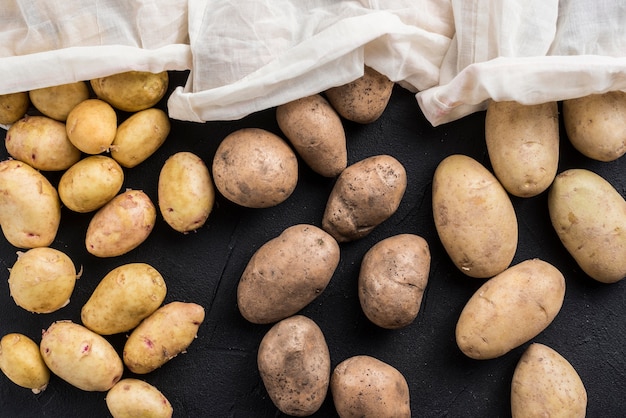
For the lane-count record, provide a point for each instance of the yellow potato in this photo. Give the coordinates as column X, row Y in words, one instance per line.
column 121, row 225
column 589, row 216
column 124, row 297
column 21, row 362
column 42, row 280
column 510, row 309
column 186, row 193
column 13, row 107
column 523, row 145
column 91, row 126
column 474, row 217
column 131, row 91
column 56, row 102
column 131, row 398
column 139, row 136
column 90, row 183
column 30, row 209
column 81, row 357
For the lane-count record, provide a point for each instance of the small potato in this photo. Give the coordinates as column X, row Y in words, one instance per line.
column 81, row 357
column 21, row 362
column 287, row 273
column 596, row 125
column 316, row 132
column 121, row 225
column 294, row 364
column 363, row 100
column 30, row 209
column 392, row 279
column 42, row 280
column 42, row 143
column 132, row 398
column 162, row 336
column 523, row 145
column 139, row 136
column 510, row 309
column 589, row 216
column 474, row 217
column 56, row 102
column 186, row 193
column 255, row 168
column 90, row 183
column 91, row 126
column 123, row 298
column 363, row 386
column 546, row 385
column 131, row 91
column 13, row 107
column 365, row 195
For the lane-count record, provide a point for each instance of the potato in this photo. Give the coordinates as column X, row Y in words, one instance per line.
column 365, row 195
column 42, row 143
column 589, row 217
column 56, row 102
column 523, row 145
column 596, row 125
column 21, row 362
column 255, row 168
column 510, row 309
column 121, row 225
column 130, row 398
column 90, row 183
column 163, row 335
column 294, row 364
column 91, row 126
column 42, row 280
column 546, row 385
column 139, row 136
column 30, row 209
column 363, row 386
column 316, row 132
column 392, row 279
column 131, row 91
column 124, row 297
column 287, row 273
column 13, row 107
column 81, row 357
column 363, row 100
column 474, row 217
column 185, row 191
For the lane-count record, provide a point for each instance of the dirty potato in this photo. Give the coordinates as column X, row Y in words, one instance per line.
column 139, row 136
column 13, row 107
column 21, row 362
column 131, row 91
column 56, row 102
column 91, row 126
column 131, row 398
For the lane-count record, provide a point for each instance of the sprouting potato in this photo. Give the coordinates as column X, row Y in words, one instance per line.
column 139, row 136
column 56, row 102
column 131, row 91
column 21, row 362
column 91, row 126
column 13, row 107
column 130, row 398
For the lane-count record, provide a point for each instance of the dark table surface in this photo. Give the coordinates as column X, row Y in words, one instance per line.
column 218, row 375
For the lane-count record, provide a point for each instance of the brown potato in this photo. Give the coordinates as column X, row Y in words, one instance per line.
column 91, row 126
column 139, row 136
column 56, row 102
column 21, row 362
column 13, row 107
column 130, row 398
column 131, row 91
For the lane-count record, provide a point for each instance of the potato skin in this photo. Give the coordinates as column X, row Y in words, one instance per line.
column 56, row 102
column 523, row 145
column 21, row 362
column 139, row 136
column 131, row 91
column 287, row 273
column 363, row 386
column 91, row 126
column 589, row 216
column 510, row 309
column 474, row 217
column 392, row 279
column 365, row 195
column 545, row 384
column 13, row 107
column 124, row 297
column 294, row 364
column 130, row 398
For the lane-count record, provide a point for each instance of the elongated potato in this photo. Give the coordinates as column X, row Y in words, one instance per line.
column 131, row 398
column 91, row 126
column 139, row 136
column 21, row 362
column 13, row 107
column 131, row 91
column 56, row 102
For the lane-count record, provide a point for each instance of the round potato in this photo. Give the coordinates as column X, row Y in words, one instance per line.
column 363, row 386
column 294, row 364
column 131, row 398
column 123, row 298
column 91, row 126
column 30, row 209
column 81, row 357
column 255, row 168
column 42, row 280
column 510, row 309
column 287, row 273
column 474, row 217
column 56, row 102
column 186, row 193
column 392, row 279
column 13, row 107
column 131, row 91
column 121, row 225
column 316, row 132
column 139, row 136
column 21, row 362
column 589, row 216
